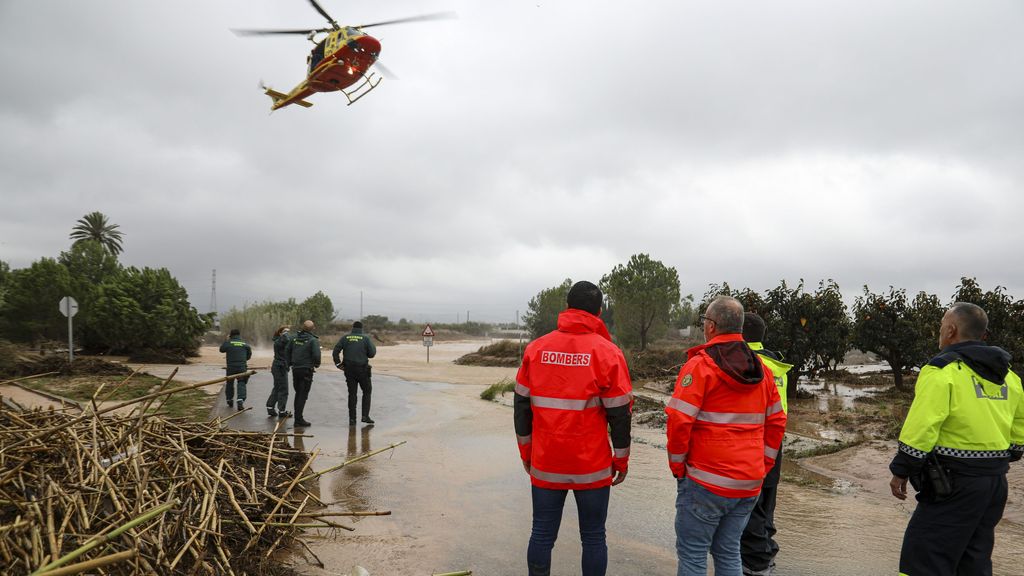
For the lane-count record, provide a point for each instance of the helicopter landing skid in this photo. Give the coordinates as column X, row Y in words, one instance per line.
column 364, row 88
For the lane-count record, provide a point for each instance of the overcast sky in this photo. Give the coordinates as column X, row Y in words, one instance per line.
column 873, row 142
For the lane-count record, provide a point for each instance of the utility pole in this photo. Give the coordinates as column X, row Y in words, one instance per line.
column 360, row 304
column 467, row 316
column 213, row 301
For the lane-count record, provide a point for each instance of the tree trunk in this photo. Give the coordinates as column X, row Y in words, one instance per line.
column 896, row 363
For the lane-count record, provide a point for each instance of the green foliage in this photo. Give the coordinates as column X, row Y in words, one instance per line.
column 317, row 308
column 810, row 330
column 258, row 322
column 502, row 387
column 644, row 293
column 30, row 310
column 95, row 227
column 1005, row 316
column 5, row 273
column 147, row 308
column 507, row 353
column 894, row 328
column 542, row 312
column 89, row 265
column 375, row 323
column 685, row 314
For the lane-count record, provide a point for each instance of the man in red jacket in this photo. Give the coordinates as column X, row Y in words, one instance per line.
column 725, row 428
column 573, row 386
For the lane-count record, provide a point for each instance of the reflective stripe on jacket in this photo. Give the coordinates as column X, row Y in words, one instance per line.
column 572, row 386
column 725, row 418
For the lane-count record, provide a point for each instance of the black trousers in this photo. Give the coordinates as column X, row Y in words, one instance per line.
column 279, row 393
column 955, row 536
column 357, row 377
column 302, row 380
column 757, row 545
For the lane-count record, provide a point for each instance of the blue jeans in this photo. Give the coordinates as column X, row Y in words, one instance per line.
column 705, row 520
column 547, row 517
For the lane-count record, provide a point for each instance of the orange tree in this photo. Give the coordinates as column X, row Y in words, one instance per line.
column 1005, row 316
column 903, row 332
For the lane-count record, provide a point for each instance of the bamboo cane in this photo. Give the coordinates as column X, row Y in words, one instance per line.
column 90, row 564
column 346, row 463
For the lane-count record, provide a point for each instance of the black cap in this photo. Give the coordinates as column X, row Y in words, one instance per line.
column 753, row 327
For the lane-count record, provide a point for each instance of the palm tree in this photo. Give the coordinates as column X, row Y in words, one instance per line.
column 95, row 226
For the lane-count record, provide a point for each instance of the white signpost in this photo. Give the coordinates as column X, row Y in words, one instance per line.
column 68, row 306
column 428, row 340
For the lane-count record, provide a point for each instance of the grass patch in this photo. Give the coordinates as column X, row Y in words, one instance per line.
column 192, row 404
column 500, row 387
column 503, row 353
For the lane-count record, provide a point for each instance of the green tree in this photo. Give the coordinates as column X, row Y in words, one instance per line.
column 375, row 323
column 644, row 293
column 95, row 226
column 5, row 273
column 89, row 264
column 147, row 309
column 1005, row 316
column 30, row 310
column 828, row 327
column 542, row 311
column 889, row 325
column 317, row 308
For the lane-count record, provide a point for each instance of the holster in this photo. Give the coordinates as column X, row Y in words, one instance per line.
column 934, row 482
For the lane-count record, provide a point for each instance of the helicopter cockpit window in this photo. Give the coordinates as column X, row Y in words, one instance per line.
column 317, row 55
column 353, row 32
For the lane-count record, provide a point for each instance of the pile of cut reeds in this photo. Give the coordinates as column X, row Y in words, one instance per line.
column 110, row 491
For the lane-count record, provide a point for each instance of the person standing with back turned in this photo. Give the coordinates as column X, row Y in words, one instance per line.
column 725, row 428
column 236, row 354
column 277, row 402
column 964, row 427
column 757, row 546
column 303, row 354
column 358, row 348
column 572, row 386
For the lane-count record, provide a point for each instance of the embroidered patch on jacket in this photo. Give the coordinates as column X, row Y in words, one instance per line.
column 687, row 380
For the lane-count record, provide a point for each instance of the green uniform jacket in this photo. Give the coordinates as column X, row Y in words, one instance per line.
column 357, row 347
column 303, row 351
column 237, row 352
column 281, row 348
column 780, row 370
column 969, row 409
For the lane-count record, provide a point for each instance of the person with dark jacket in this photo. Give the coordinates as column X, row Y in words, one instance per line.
column 357, row 348
column 725, row 428
column 277, row 402
column 964, row 427
column 303, row 353
column 237, row 353
column 757, row 545
column 572, row 393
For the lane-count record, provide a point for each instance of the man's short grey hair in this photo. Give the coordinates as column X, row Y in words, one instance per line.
column 727, row 313
column 970, row 319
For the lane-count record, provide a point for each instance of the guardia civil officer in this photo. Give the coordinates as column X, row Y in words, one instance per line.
column 277, row 402
column 236, row 353
column 757, row 545
column 965, row 426
column 357, row 348
column 303, row 354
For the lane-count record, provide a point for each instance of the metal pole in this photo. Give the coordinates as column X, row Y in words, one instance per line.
column 71, row 344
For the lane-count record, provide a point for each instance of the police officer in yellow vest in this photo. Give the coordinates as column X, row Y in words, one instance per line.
column 757, row 547
column 965, row 426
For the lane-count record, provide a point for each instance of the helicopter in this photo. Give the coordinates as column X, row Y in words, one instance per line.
column 340, row 62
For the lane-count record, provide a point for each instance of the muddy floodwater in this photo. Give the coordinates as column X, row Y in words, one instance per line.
column 460, row 499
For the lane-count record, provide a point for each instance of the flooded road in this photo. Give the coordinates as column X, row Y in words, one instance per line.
column 461, row 501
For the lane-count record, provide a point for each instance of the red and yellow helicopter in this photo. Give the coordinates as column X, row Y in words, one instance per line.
column 340, row 62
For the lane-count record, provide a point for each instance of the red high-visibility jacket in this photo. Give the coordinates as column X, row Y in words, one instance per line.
column 573, row 384
column 725, row 418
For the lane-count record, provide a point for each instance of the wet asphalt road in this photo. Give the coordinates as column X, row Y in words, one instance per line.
column 461, row 501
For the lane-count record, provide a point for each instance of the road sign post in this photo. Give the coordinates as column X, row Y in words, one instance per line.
column 428, row 340
column 68, row 306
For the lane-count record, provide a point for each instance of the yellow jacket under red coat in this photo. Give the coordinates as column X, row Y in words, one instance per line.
column 569, row 385
column 725, row 418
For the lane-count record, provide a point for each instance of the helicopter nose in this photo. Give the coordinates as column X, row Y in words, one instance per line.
column 369, row 44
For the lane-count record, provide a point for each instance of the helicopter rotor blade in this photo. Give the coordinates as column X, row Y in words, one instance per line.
column 384, row 70
column 420, row 18
column 271, row 32
column 320, row 9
